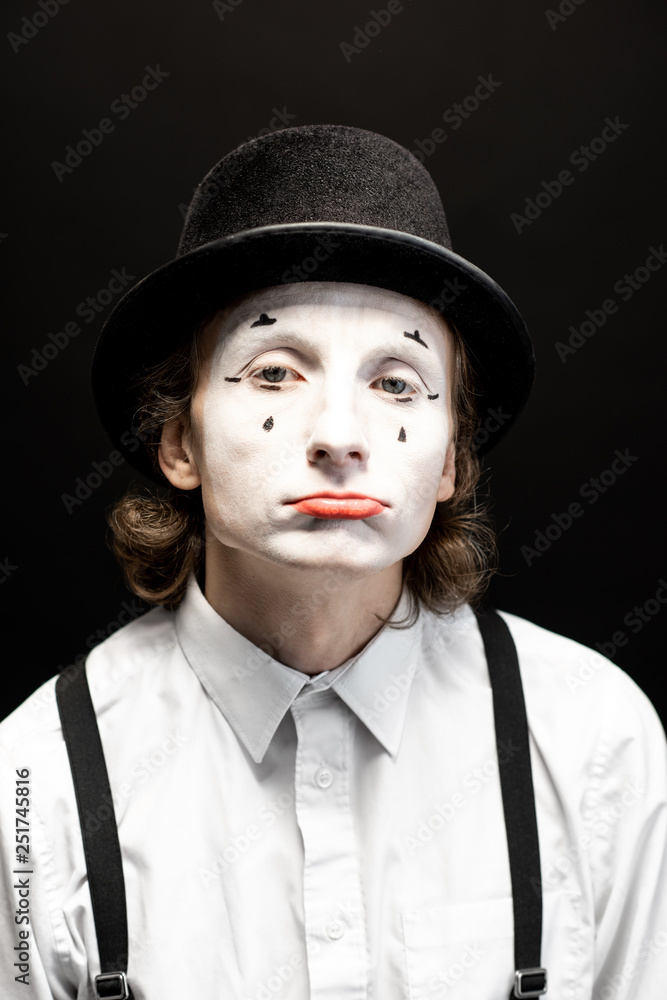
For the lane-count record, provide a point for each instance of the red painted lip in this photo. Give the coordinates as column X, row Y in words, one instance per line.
column 339, row 505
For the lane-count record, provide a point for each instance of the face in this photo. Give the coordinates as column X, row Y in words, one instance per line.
column 323, row 388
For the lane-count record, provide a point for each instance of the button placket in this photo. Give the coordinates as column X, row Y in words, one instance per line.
column 336, row 945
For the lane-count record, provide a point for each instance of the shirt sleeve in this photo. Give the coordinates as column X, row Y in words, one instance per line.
column 629, row 850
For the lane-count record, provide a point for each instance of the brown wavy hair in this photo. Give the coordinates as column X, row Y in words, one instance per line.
column 158, row 535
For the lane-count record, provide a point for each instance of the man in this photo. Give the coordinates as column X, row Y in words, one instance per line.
column 306, row 739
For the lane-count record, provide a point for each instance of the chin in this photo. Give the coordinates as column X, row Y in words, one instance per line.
column 333, row 552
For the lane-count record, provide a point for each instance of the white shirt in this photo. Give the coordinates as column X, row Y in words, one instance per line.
column 342, row 836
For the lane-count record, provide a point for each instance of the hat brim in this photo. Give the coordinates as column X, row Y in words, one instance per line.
column 150, row 320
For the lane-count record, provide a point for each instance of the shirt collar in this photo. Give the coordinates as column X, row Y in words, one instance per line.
column 254, row 691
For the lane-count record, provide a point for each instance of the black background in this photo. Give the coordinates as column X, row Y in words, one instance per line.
column 228, row 73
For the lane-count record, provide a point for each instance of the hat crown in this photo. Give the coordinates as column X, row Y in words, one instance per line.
column 316, row 173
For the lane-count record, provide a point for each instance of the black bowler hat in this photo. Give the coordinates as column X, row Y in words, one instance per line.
column 313, row 203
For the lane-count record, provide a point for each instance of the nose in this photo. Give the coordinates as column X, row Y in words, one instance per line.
column 337, row 434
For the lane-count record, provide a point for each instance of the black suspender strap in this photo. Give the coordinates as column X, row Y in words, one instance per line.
column 99, row 831
column 102, row 849
column 516, row 782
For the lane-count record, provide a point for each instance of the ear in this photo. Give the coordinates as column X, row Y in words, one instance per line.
column 176, row 457
column 448, row 478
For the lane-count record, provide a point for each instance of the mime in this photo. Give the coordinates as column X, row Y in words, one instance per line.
column 321, row 766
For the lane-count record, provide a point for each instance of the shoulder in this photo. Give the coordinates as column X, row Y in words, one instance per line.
column 116, row 669
column 567, row 662
column 570, row 690
column 588, row 691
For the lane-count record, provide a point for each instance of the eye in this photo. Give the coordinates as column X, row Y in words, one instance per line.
column 272, row 373
column 394, row 385
column 391, row 384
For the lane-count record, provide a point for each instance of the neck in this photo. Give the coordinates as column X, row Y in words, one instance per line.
column 312, row 620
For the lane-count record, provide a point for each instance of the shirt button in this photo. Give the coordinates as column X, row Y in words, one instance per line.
column 335, row 930
column 323, row 777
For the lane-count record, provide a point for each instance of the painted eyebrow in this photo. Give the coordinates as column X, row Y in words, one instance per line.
column 263, row 320
column 415, row 336
column 290, row 338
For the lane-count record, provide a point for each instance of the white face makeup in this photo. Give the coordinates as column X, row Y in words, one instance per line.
column 322, row 387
